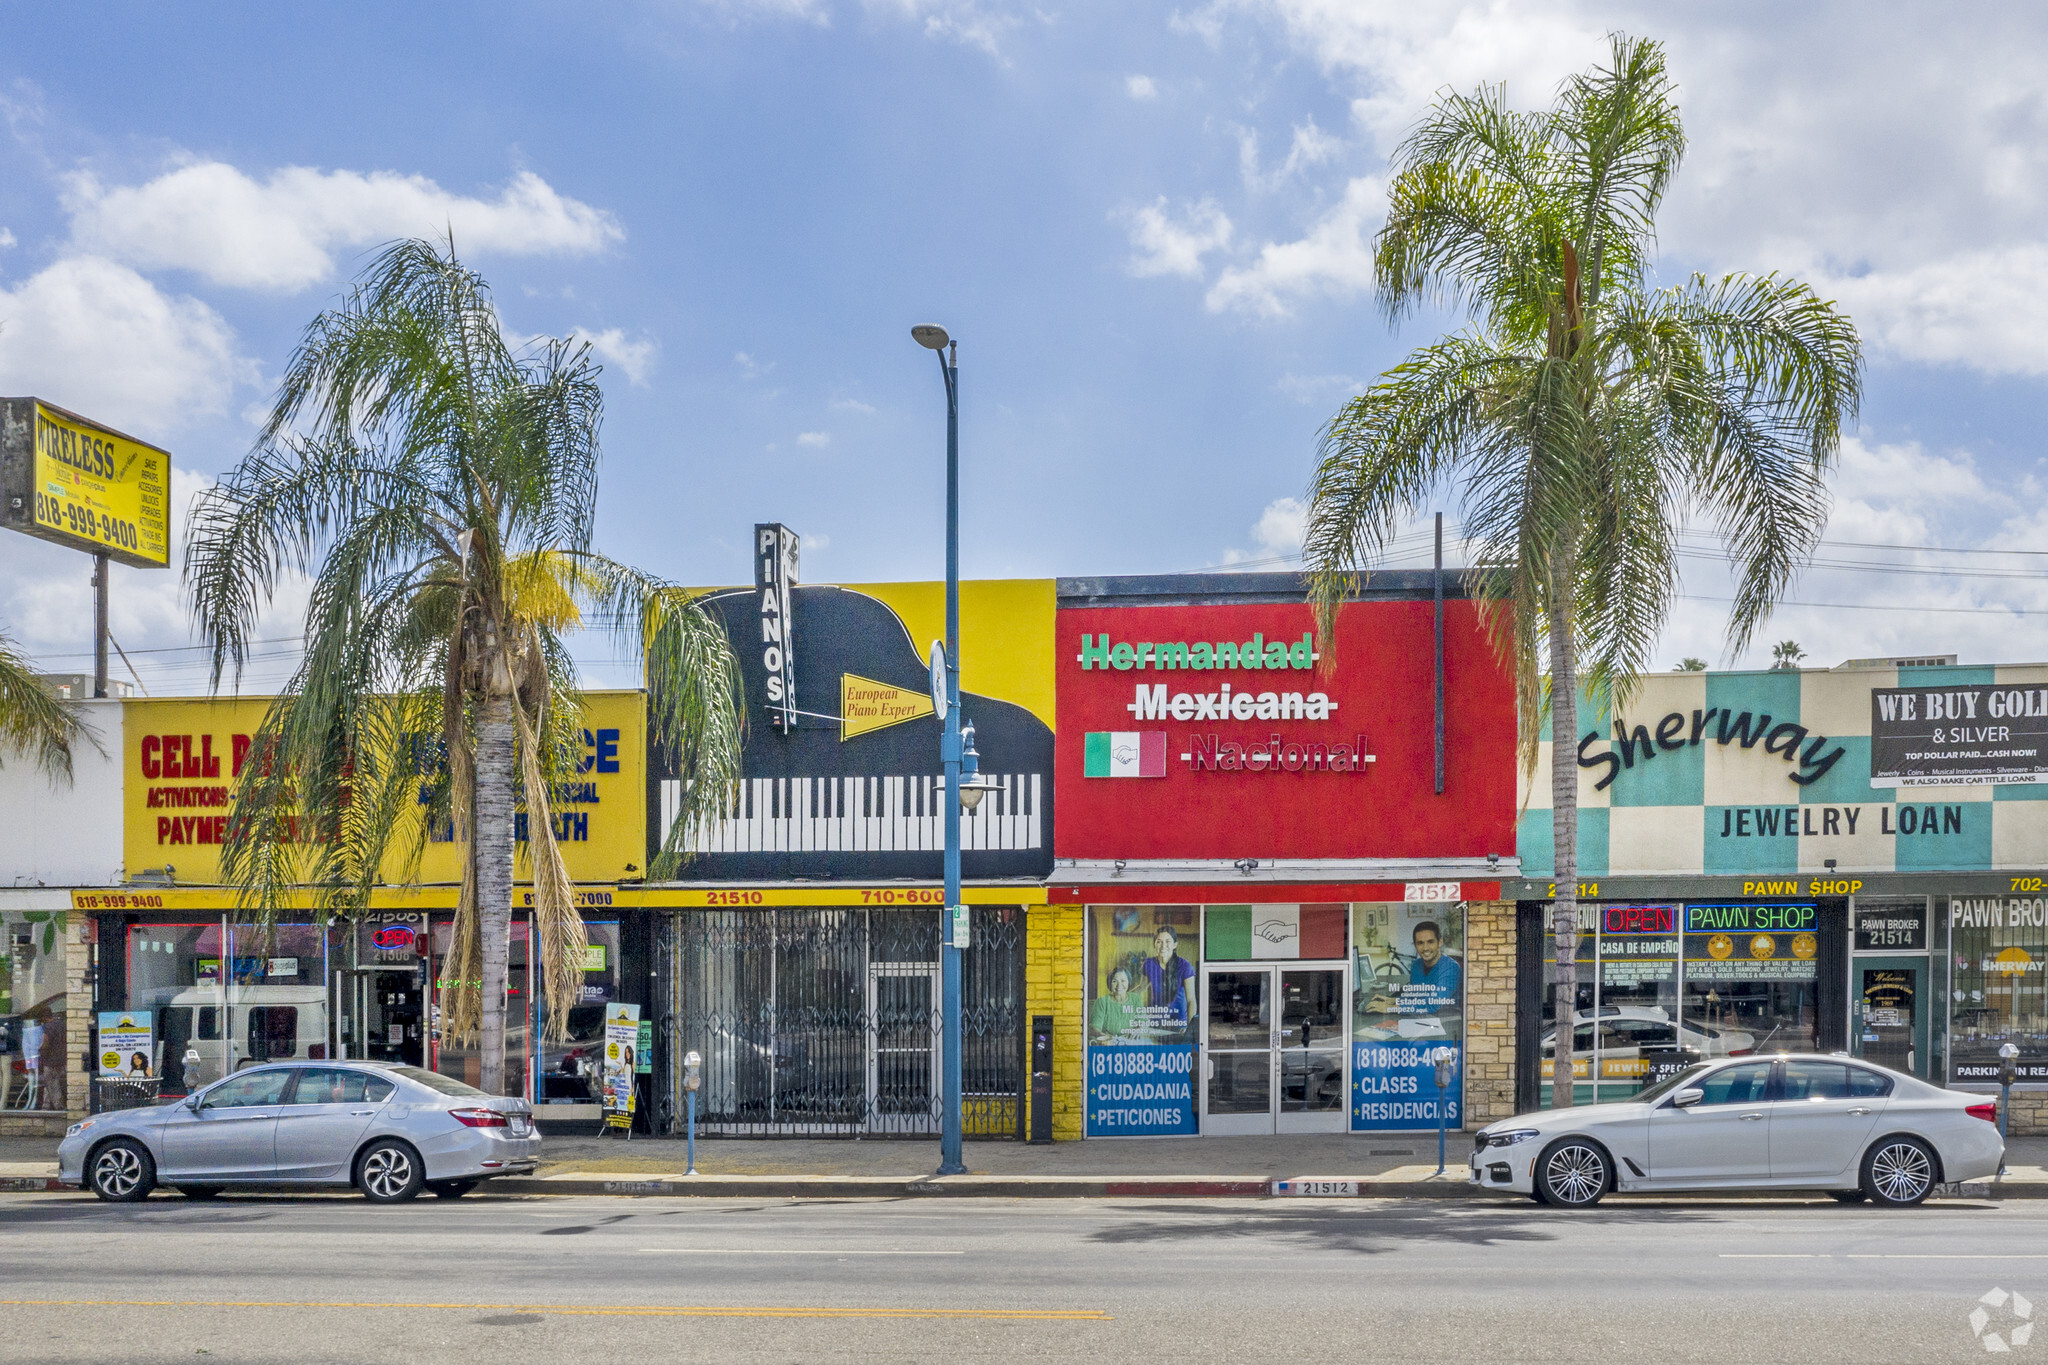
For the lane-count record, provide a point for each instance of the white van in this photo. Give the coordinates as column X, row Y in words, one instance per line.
column 267, row 1024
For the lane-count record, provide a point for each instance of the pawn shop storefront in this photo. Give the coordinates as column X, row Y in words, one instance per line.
column 1276, row 892
column 1773, row 860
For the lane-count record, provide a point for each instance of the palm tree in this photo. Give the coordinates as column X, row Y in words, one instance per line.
column 439, row 488
column 1692, row 663
column 1786, row 654
column 1582, row 415
column 34, row 724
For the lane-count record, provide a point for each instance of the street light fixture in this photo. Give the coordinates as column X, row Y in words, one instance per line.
column 951, row 756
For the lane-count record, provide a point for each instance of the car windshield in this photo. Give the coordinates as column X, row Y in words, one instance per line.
column 1669, row 1084
column 434, row 1080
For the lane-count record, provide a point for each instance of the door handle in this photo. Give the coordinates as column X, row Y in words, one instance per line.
column 1751, row 1118
column 1860, row 1109
column 361, row 1113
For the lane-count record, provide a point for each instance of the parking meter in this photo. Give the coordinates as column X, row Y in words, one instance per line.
column 1444, row 1059
column 693, row 1080
column 2008, row 1072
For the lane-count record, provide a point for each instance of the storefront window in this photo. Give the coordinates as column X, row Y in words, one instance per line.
column 463, row 1059
column 1408, row 1005
column 272, row 1002
column 1143, row 1010
column 1998, row 949
column 570, row 1070
column 32, row 1005
column 1752, row 974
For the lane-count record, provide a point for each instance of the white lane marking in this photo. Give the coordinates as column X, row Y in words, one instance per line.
column 1950, row 1256
column 793, row 1251
column 1774, row 1256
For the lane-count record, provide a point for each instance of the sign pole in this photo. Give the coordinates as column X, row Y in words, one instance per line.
column 100, row 629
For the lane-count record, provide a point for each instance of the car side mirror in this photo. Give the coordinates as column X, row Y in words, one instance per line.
column 192, row 1103
column 1686, row 1099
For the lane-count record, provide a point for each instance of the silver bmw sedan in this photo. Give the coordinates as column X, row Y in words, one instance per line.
column 385, row 1129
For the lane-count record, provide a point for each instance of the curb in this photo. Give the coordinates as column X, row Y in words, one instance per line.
column 1097, row 1187
column 979, row 1187
column 32, row 1184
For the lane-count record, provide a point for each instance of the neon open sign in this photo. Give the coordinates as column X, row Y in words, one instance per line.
column 1636, row 919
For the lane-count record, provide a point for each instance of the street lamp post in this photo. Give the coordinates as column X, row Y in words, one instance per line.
column 935, row 339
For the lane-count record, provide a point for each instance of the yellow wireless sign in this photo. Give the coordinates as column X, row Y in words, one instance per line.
column 71, row 480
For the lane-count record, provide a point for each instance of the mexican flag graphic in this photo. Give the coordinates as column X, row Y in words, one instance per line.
column 1125, row 753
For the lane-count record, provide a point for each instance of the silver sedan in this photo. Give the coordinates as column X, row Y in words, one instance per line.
column 385, row 1129
column 1804, row 1122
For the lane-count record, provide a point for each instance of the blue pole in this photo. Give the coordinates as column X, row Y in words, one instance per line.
column 692, row 1101
column 949, row 753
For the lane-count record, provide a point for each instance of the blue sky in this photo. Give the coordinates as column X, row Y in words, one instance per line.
column 1148, row 224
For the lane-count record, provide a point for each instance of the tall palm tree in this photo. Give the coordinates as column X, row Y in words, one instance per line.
column 440, row 489
column 34, row 724
column 1583, row 415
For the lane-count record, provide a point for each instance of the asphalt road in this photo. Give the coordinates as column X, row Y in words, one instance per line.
column 613, row 1280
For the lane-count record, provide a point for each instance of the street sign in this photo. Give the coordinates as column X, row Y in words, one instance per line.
column 957, row 922
column 939, row 681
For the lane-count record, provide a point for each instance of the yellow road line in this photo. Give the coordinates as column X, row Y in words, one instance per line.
column 616, row 1311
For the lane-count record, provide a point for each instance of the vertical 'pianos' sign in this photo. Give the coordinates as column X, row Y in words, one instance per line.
column 775, row 549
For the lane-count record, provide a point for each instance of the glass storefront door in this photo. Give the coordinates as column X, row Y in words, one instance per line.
column 1274, row 1047
column 1888, row 1013
column 386, row 1015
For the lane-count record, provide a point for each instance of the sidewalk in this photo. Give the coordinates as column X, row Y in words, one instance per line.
column 1365, row 1166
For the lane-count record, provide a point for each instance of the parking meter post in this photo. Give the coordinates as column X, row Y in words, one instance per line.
column 2008, row 1072
column 693, row 1077
column 1442, row 1060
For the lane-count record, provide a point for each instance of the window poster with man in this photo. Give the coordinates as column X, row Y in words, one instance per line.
column 1408, row 1004
column 1144, row 993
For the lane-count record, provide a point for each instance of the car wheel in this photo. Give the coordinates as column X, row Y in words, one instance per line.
column 389, row 1172
column 1572, row 1173
column 452, row 1189
column 1847, row 1196
column 199, row 1191
column 122, row 1172
column 1899, row 1172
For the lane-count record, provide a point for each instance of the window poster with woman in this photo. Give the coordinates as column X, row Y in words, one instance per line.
column 1408, row 1004
column 1144, row 994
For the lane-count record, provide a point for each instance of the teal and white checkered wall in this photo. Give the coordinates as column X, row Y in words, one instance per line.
column 1715, row 809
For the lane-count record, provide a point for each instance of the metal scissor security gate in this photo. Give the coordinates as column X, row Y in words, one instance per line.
column 828, row 1022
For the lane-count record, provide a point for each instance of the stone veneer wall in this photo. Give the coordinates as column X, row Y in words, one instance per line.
column 1489, row 1012
column 1054, row 965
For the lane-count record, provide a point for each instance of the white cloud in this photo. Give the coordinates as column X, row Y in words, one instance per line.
column 853, row 405
column 1896, row 494
column 281, row 234
column 963, row 21
column 1896, row 157
column 1311, row 146
column 751, row 368
column 814, row 541
column 1318, row 388
column 1335, row 258
column 1140, row 88
column 1984, row 309
column 96, row 337
column 614, row 347
column 1277, row 533
column 6, row 239
column 816, row 440
column 1167, row 246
